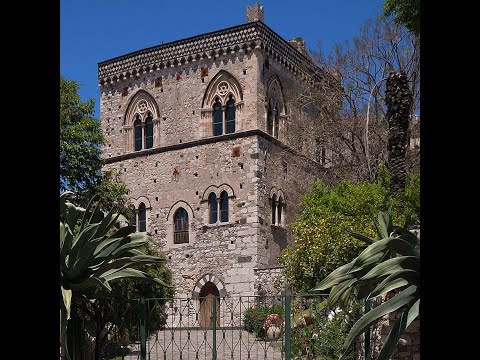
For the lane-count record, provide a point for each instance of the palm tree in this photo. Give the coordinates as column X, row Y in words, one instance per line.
column 399, row 100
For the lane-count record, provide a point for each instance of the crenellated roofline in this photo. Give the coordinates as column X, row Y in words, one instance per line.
column 241, row 38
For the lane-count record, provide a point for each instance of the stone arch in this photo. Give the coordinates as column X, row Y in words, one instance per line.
column 209, row 278
column 179, row 204
column 234, row 88
column 141, row 103
column 141, row 199
column 218, row 190
column 275, row 91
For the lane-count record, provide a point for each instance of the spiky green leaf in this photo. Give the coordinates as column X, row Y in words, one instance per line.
column 399, row 300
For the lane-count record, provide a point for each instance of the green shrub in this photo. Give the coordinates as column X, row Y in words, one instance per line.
column 254, row 318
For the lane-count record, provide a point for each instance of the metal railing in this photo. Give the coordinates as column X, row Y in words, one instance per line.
column 233, row 328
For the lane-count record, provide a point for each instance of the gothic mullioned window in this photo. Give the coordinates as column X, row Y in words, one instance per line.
column 180, row 219
column 141, row 122
column 140, row 211
column 223, row 115
column 275, row 108
column 277, row 206
column 222, row 102
column 213, row 204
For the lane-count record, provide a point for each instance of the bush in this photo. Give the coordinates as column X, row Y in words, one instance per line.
column 254, row 318
column 321, row 232
column 317, row 333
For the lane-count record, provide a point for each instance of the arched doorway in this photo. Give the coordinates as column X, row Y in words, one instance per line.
column 209, row 295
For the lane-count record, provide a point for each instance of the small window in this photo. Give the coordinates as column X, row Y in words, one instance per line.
column 149, row 132
column 230, row 115
column 213, row 205
column 133, row 221
column 217, row 118
column 180, row 235
column 142, row 218
column 274, row 209
column 279, row 211
column 275, row 121
column 138, row 133
column 269, row 120
column 224, row 206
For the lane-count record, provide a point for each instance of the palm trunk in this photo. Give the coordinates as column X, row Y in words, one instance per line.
column 399, row 101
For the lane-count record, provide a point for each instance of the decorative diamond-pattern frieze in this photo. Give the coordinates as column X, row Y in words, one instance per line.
column 237, row 38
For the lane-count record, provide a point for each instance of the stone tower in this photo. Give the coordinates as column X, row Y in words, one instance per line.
column 204, row 131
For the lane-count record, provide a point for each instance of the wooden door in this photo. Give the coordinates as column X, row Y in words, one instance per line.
column 206, row 311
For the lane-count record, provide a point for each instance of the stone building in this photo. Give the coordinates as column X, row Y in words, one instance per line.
column 207, row 134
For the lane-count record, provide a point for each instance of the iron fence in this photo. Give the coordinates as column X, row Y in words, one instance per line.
column 218, row 328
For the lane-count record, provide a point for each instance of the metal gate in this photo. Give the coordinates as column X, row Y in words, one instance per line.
column 234, row 328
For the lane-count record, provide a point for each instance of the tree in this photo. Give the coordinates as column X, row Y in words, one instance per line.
column 399, row 101
column 322, row 242
column 387, row 265
column 354, row 148
column 407, row 12
column 80, row 140
column 115, row 314
column 95, row 250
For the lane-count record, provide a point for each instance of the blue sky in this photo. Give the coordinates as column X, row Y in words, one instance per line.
column 96, row 30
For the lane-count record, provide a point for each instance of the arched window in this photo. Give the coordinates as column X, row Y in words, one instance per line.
column 274, row 209
column 217, row 118
column 149, row 132
column 230, row 115
column 133, row 222
column 180, row 235
column 224, row 206
column 142, row 218
column 279, row 211
column 269, row 120
column 138, row 133
column 275, row 120
column 213, row 205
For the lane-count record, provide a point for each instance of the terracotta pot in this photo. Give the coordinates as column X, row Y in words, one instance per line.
column 274, row 333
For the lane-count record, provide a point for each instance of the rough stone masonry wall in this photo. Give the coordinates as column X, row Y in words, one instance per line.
column 293, row 175
column 227, row 251
column 179, row 100
column 269, row 281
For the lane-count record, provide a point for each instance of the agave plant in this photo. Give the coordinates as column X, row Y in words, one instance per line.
column 94, row 250
column 391, row 264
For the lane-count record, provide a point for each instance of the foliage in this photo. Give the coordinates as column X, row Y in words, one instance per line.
column 390, row 265
column 111, row 192
column 318, row 333
column 95, row 250
column 407, row 12
column 321, row 231
column 359, row 65
column 254, row 318
column 80, row 139
column 101, row 318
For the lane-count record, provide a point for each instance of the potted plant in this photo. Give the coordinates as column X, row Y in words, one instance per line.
column 273, row 326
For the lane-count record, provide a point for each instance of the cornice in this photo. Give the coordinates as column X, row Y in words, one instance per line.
column 241, row 38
